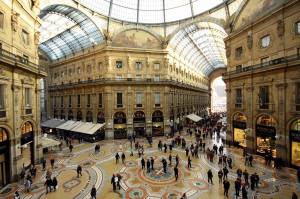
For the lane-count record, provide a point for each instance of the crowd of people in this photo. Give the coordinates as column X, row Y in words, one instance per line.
column 194, row 146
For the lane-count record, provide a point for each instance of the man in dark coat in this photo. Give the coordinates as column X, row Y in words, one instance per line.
column 176, row 173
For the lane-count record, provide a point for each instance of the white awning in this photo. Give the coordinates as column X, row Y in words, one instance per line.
column 194, row 117
column 47, row 142
column 88, row 128
column 53, row 123
column 68, row 125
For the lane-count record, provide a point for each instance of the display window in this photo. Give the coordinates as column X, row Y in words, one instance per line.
column 240, row 137
column 266, row 145
column 295, row 159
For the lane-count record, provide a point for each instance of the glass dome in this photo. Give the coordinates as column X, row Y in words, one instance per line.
column 150, row 11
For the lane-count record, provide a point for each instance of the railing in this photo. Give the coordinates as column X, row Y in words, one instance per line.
column 265, row 106
column 126, row 81
column 17, row 59
column 265, row 65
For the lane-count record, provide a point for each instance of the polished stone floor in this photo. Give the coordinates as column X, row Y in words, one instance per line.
column 137, row 183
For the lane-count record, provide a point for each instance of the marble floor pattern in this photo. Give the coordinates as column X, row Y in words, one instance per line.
column 138, row 184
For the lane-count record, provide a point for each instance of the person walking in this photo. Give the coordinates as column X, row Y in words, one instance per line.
column 48, row 185
column 177, row 160
column 71, row 148
column 44, row 164
column 237, row 184
column 164, row 161
column 79, row 170
column 93, row 192
column 152, row 163
column 220, row 175
column 165, row 146
column 246, row 176
column 123, row 158
column 119, row 177
column 148, row 166
column 250, row 160
column 225, row 172
column 210, row 176
column 52, row 163
column 117, row 156
column 176, row 173
column 143, row 163
column 187, row 151
column 17, row 195
column 170, row 159
column 226, row 186
column 252, row 182
column 183, row 196
column 54, row 183
column 189, row 162
column 112, row 181
column 256, row 180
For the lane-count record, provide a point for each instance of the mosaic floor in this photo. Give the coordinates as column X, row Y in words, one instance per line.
column 139, row 184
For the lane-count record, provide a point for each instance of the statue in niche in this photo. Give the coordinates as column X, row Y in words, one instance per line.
column 15, row 21
column 280, row 28
column 249, row 41
column 37, row 38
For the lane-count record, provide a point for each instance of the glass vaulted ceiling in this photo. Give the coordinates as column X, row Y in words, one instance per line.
column 150, row 11
column 201, row 45
column 66, row 30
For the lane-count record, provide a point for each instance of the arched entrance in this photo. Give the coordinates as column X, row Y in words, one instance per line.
column 4, row 158
column 89, row 116
column 295, row 143
column 218, row 95
column 27, row 144
column 79, row 116
column 157, row 123
column 239, row 124
column 70, row 115
column 62, row 114
column 139, row 123
column 100, row 117
column 120, row 131
column 265, row 135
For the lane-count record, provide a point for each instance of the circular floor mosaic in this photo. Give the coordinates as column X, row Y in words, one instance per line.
column 136, row 193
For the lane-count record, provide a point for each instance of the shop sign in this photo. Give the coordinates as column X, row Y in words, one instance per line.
column 239, row 124
column 265, row 131
column 295, row 135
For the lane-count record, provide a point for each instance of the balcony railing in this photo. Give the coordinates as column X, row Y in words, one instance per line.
column 265, row 65
column 238, row 105
column 138, row 81
column 119, row 105
column 28, row 111
column 23, row 62
column 139, row 105
column 265, row 106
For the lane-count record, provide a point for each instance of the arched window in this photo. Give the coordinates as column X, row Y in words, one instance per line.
column 296, row 125
column 3, row 135
column 26, row 128
column 266, row 120
column 89, row 116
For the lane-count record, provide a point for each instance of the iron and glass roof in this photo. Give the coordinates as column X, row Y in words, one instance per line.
column 201, row 45
column 66, row 30
column 150, row 11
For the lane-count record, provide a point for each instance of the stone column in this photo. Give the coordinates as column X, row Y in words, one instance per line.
column 129, row 105
column 108, row 113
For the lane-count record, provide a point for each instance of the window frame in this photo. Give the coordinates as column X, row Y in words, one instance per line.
column 119, row 64
column 25, row 37
column 138, row 65
column 100, row 100
column 28, row 101
column 239, row 52
column 2, row 98
column 119, row 99
column 262, row 41
column 297, row 27
column 156, row 64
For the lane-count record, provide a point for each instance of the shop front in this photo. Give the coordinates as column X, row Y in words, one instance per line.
column 295, row 143
column 62, row 114
column 239, row 125
column 139, row 124
column 4, row 158
column 27, row 144
column 120, row 127
column 265, row 135
column 157, row 123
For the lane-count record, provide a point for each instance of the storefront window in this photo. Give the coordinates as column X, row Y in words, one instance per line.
column 239, row 126
column 295, row 143
column 266, row 135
